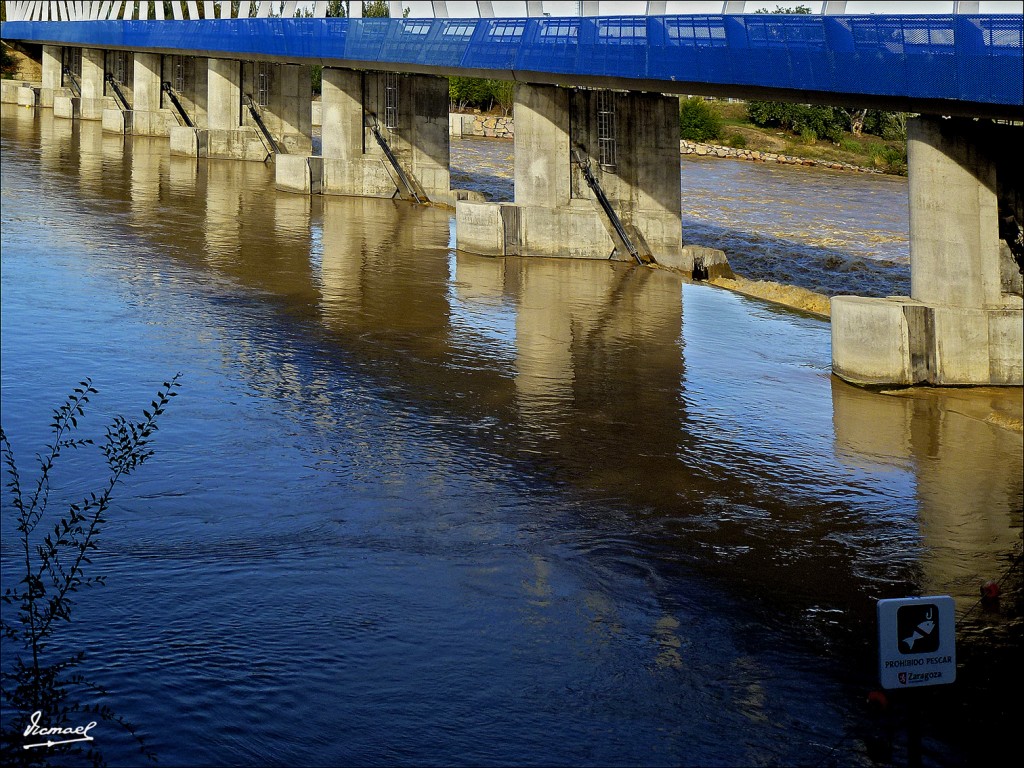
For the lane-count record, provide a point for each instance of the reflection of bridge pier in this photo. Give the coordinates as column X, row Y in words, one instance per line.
column 963, row 323
column 365, row 275
column 966, row 467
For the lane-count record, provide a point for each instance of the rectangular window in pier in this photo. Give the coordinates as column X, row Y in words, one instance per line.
column 73, row 60
column 179, row 72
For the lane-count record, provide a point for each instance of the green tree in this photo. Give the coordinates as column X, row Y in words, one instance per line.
column 504, row 93
column 801, row 9
column 8, row 64
column 371, row 9
column 465, row 92
column 698, row 120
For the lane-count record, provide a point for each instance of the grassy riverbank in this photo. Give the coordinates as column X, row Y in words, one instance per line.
column 888, row 156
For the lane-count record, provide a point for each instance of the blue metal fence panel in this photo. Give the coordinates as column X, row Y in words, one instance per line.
column 689, row 49
column 495, row 44
column 950, row 57
column 988, row 60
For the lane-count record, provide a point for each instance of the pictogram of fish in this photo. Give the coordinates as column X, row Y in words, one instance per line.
column 922, row 630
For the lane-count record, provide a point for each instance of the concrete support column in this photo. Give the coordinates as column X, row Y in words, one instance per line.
column 409, row 113
column 147, row 82
column 149, row 116
column 954, row 222
column 963, row 323
column 224, row 94
column 94, row 100
column 629, row 142
column 52, row 75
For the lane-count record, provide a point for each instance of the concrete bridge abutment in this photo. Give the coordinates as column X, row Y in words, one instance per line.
column 963, row 323
column 629, row 141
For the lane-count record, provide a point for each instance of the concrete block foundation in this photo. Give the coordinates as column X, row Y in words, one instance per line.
column 27, row 96
column 301, row 174
column 67, row 107
column 899, row 341
column 964, row 321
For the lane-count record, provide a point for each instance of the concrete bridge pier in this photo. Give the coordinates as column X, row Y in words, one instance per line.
column 963, row 323
column 223, row 135
column 283, row 98
column 629, row 142
column 52, row 76
column 147, row 116
column 252, row 111
column 91, row 79
column 368, row 116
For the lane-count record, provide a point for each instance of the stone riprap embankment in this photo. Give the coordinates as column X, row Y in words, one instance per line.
column 489, row 126
column 716, row 150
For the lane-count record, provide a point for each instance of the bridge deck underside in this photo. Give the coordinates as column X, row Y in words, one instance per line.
column 950, row 64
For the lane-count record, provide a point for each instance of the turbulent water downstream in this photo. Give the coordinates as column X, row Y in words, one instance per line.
column 419, row 507
column 831, row 232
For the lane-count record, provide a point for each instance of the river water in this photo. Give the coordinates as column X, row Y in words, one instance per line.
column 419, row 507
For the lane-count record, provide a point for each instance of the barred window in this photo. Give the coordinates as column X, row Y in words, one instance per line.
column 606, row 129
column 263, row 83
column 178, row 73
column 121, row 67
column 391, row 100
column 73, row 60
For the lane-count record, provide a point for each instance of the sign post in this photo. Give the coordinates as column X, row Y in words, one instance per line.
column 916, row 642
column 916, row 649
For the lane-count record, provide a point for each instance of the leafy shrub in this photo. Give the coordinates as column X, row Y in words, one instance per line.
column 826, row 122
column 8, row 64
column 737, row 141
column 851, row 145
column 39, row 678
column 891, row 126
column 891, row 159
column 698, row 120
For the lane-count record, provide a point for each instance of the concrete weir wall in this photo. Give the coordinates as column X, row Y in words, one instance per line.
column 555, row 212
column 964, row 320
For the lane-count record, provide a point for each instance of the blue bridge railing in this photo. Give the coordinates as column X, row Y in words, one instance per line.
column 970, row 58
